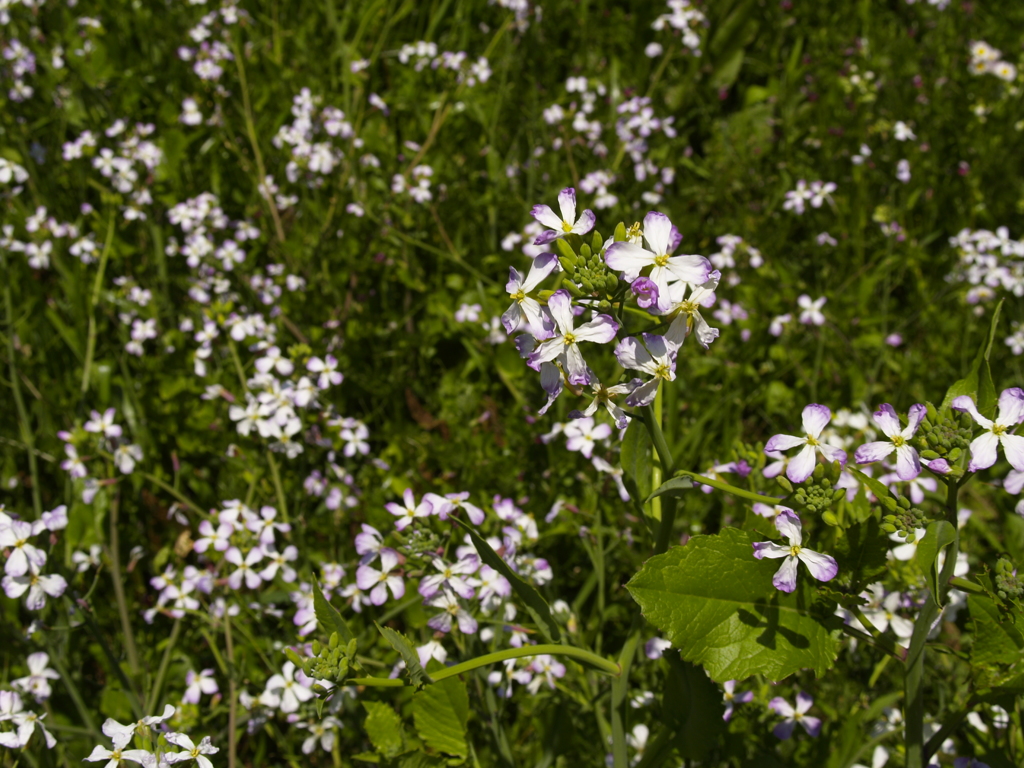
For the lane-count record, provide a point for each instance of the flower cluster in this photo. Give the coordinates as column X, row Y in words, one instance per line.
column 986, row 60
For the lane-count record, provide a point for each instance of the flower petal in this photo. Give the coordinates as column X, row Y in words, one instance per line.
column 546, row 216
column 585, row 223
column 783, row 442
column 567, row 205
column 983, row 450
column 785, row 578
column 600, row 330
column 769, row 549
column 690, row 268
column 822, row 567
column 560, row 307
column 543, row 266
column 908, row 463
column 628, row 259
column 815, row 418
column 887, row 420
column 1011, row 407
column 870, row 452
column 1013, row 447
column 915, row 416
column 965, row 403
column 789, row 525
column 632, row 356
column 802, row 465
column 832, row 453
column 658, row 232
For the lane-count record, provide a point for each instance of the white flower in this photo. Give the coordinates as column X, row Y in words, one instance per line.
column 192, row 751
column 39, row 674
column 287, row 691
column 902, row 132
column 662, row 239
column 565, row 345
column 983, row 447
column 810, row 310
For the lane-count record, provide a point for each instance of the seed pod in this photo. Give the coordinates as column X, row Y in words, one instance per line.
column 929, row 455
column 572, row 288
column 293, row 656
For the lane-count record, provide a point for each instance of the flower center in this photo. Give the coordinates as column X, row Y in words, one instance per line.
column 569, row 338
column 566, row 226
column 663, row 372
column 811, row 440
column 447, row 573
column 661, row 260
column 633, row 231
column 998, row 429
column 518, row 296
column 794, row 551
column 898, row 441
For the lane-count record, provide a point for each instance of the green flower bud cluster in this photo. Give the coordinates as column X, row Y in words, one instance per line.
column 944, row 436
column 904, row 518
column 818, row 493
column 1008, row 586
column 586, row 274
column 331, row 662
column 417, row 541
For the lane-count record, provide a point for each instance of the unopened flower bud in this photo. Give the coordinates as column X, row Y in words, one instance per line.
column 904, row 502
column 333, row 642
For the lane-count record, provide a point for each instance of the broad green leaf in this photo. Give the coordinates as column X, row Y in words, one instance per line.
column 693, row 706
column 408, row 653
column 328, row 615
column 535, row 604
column 937, row 537
column 440, row 712
column 636, row 463
column 716, row 603
column 998, row 638
column 384, row 727
column 674, row 487
column 978, row 381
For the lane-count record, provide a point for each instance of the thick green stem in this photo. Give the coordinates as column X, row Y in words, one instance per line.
column 603, row 665
column 620, row 688
column 114, row 553
column 19, row 402
column 232, row 692
column 668, row 465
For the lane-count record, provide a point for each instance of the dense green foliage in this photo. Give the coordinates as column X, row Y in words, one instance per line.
column 363, row 270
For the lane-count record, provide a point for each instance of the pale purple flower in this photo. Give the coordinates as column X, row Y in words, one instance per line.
column 37, row 682
column 822, row 567
column 686, row 310
column 810, row 310
column 796, row 198
column 368, row 544
column 288, row 690
column 327, row 370
column 115, row 756
column 815, row 419
column 546, row 669
column 662, row 238
column 38, row 586
column 656, row 356
column 219, row 538
column 244, row 569
column 192, row 751
column 450, row 577
column 565, row 344
column 983, row 447
column 525, row 313
column 103, row 424
column 793, row 716
column 460, row 500
column 732, row 698
column 908, row 463
column 903, row 171
column 410, row 511
column 378, row 582
column 567, row 223
column 582, row 434
column 646, row 292
column 604, row 396
column 73, row 464
column 197, row 684
column 279, row 562
column 265, row 525
column 23, row 555
column 656, row 647
column 452, row 610
column 820, row 192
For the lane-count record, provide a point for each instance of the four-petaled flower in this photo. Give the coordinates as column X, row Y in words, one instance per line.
column 908, row 463
column 656, row 356
column 378, row 582
column 793, row 716
column 410, row 511
column 822, row 567
column 192, row 751
column 662, row 238
column 565, row 345
column 732, row 698
column 525, row 313
column 983, row 447
column 566, row 224
column 815, row 419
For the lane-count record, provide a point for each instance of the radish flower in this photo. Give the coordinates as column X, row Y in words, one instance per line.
column 908, row 463
column 983, row 447
column 662, row 238
column 567, row 223
column 793, row 716
column 601, row 329
column 526, row 313
column 815, row 419
column 822, row 567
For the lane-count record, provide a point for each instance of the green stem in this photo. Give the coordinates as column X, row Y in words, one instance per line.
column 114, row 553
column 19, row 402
column 171, row 490
column 76, row 696
column 620, row 687
column 603, row 665
column 165, row 662
column 278, row 488
column 966, row 586
column 653, row 423
column 730, row 489
column 232, row 692
column 94, row 298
